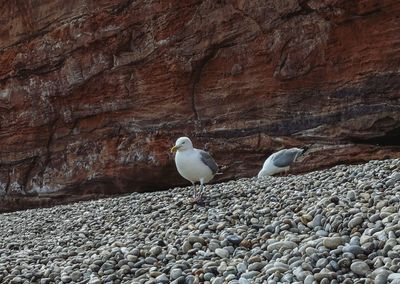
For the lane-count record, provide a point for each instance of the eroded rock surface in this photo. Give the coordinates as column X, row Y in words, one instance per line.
column 93, row 93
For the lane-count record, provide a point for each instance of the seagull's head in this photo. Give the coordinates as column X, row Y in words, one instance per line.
column 182, row 144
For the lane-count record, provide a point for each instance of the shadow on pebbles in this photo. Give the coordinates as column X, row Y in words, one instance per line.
column 340, row 225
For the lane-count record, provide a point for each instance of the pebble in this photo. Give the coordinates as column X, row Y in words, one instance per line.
column 94, row 280
column 309, row 279
column 281, row 245
column 356, row 221
column 394, row 276
column 256, row 266
column 244, row 281
column 218, row 280
column 163, row 278
column 155, row 250
column 333, row 242
column 360, row 268
column 353, row 249
column 222, row 253
column 208, row 276
column 234, row 239
column 75, row 276
column 249, row 275
column 175, row 273
column 381, row 279
column 321, row 263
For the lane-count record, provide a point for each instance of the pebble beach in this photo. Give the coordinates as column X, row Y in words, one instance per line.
column 339, row 225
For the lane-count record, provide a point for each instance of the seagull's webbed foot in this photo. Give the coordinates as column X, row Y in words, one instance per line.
column 197, row 196
column 196, row 199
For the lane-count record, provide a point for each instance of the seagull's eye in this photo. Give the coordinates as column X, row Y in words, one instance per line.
column 183, row 142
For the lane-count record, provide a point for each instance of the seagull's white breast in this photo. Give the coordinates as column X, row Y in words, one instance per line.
column 190, row 166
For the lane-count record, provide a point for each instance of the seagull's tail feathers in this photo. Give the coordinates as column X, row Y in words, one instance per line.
column 221, row 169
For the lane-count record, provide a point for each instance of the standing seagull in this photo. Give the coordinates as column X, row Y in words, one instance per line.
column 280, row 161
column 193, row 164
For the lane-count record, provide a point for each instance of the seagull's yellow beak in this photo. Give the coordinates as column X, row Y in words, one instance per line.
column 174, row 149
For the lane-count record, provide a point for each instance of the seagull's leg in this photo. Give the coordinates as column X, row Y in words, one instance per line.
column 194, row 189
column 197, row 195
column 201, row 188
column 287, row 170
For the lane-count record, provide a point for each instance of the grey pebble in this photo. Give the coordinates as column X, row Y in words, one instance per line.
column 175, row 273
column 162, row 278
column 244, row 281
column 360, row 268
column 309, row 279
column 222, row 253
column 218, row 280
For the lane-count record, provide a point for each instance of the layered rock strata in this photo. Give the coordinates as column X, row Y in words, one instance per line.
column 93, row 93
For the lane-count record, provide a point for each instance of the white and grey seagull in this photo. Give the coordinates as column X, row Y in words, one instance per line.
column 280, row 161
column 193, row 164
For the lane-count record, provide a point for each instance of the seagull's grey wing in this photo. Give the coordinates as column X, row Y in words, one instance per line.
column 209, row 161
column 286, row 157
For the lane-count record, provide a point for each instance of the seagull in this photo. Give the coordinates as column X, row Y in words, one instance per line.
column 280, row 161
column 193, row 164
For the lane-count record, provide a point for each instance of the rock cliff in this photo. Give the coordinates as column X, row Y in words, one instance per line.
column 93, row 93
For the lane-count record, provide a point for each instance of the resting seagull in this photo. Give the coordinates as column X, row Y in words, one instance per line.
column 280, row 161
column 193, row 164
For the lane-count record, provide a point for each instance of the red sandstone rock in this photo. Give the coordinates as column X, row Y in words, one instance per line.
column 94, row 93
